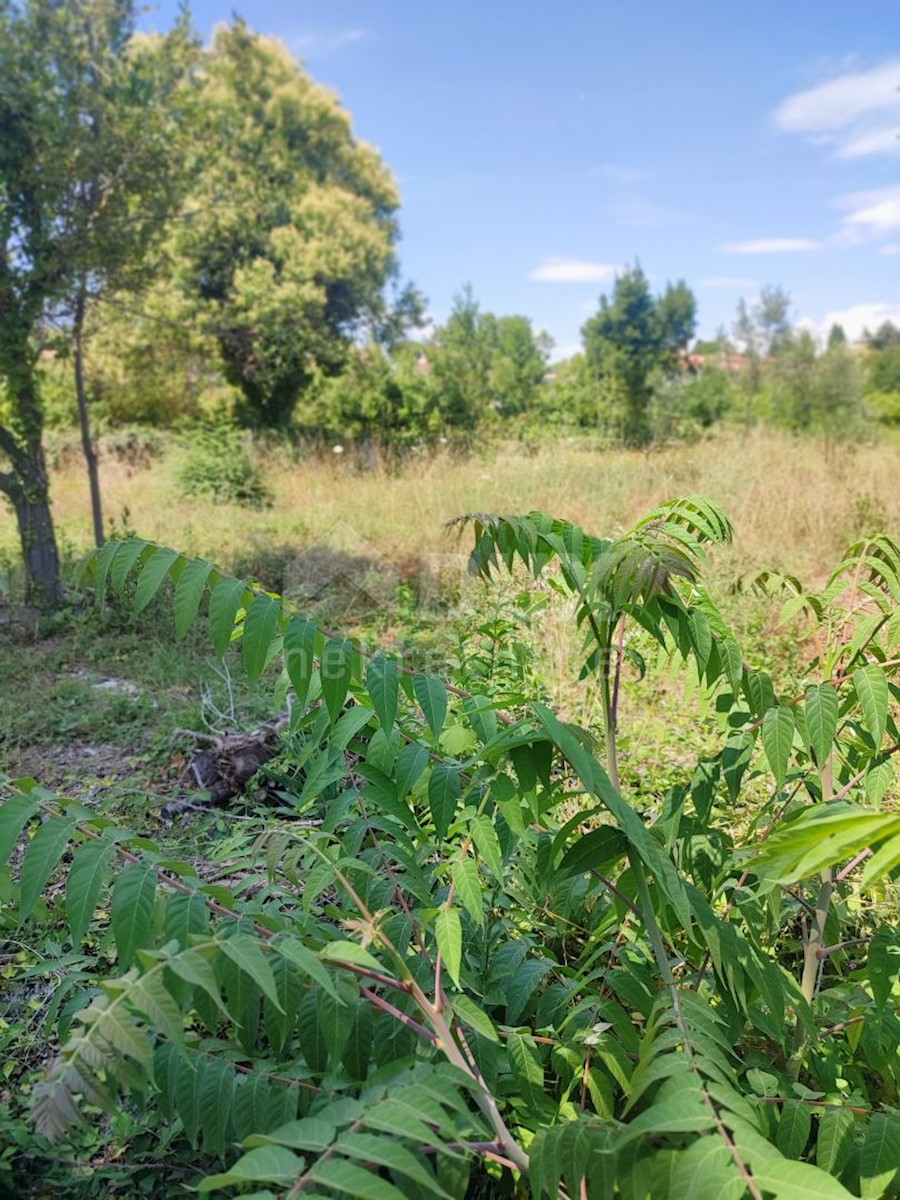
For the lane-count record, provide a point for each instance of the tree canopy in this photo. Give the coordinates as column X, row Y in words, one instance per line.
column 292, row 232
column 89, row 121
column 633, row 336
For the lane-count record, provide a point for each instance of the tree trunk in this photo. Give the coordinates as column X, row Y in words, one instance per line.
column 84, row 421
column 40, row 555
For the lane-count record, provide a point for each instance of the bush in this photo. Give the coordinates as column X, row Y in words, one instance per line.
column 220, row 464
column 885, row 407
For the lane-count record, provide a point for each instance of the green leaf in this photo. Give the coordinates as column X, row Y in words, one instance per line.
column 41, row 857
column 310, row 1133
column 88, row 873
column 352, row 952
column 759, row 691
column 872, row 690
column 736, row 755
column 464, row 873
column 707, row 1171
column 448, row 935
column 129, row 551
column 335, row 1017
column 733, row 662
column 106, row 1018
column 335, row 671
column 879, row 1158
column 383, row 689
column 15, row 813
column 686, row 1114
column 821, row 708
column 102, row 561
column 527, row 1070
column 244, row 951
column 597, row 850
column 883, row 964
column 131, row 912
column 300, row 655
column 778, row 739
column 189, row 592
column 597, row 782
column 389, row 1153
column 265, row 1164
column 344, row 1176
column 224, row 601
column 294, row 951
column 485, row 838
column 260, row 625
column 520, row 985
column 834, row 1144
column 470, row 1014
column 432, row 696
column 150, row 996
column 701, row 637
column 411, row 762
column 153, row 572
column 444, row 790
column 481, row 714
column 798, row 1181
column 193, row 968
column 878, row 779
column 214, row 1107
column 793, row 1128
column 357, row 1055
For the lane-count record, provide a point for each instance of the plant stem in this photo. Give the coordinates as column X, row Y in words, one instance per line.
column 815, row 943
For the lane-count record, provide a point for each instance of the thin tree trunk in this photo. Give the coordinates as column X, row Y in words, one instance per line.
column 84, row 420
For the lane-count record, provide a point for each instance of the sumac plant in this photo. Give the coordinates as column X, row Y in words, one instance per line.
column 426, row 981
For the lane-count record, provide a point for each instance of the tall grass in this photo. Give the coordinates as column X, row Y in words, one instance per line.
column 792, row 506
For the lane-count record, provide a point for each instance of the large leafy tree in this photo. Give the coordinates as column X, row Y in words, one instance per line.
column 293, row 234
column 87, row 142
column 631, row 339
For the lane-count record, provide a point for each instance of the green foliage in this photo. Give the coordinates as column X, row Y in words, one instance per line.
column 292, row 234
column 459, row 957
column 633, row 337
column 884, row 370
column 91, row 121
column 218, row 463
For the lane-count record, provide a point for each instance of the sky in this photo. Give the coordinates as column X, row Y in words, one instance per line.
column 540, row 147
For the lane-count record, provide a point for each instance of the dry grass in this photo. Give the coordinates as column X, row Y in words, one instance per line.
column 792, row 507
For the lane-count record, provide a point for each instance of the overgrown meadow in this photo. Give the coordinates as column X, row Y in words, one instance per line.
column 571, row 874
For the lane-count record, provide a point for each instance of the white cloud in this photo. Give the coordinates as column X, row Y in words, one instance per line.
column 854, row 320
column 876, row 141
column 872, row 214
column 856, row 113
column 783, row 245
column 891, row 248
column 318, row 44
column 574, row 270
column 726, row 282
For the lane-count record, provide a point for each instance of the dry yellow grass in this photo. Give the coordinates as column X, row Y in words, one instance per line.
column 791, row 507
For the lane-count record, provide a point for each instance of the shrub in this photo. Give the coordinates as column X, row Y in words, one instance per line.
column 219, row 463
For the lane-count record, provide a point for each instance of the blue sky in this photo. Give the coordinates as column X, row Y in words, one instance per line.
column 540, row 146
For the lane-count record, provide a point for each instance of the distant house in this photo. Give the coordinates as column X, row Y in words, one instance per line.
column 731, row 363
